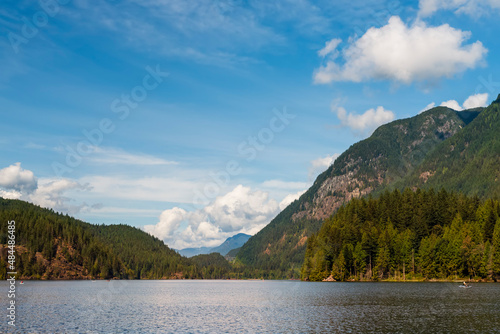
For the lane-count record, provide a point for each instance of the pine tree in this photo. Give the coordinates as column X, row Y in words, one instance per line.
column 495, row 245
column 359, row 257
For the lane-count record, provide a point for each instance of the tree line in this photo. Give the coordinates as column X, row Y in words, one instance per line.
column 408, row 235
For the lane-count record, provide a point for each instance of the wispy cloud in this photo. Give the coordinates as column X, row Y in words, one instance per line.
column 108, row 155
column 34, row 146
column 221, row 33
column 474, row 8
column 285, row 185
column 176, row 189
column 206, row 31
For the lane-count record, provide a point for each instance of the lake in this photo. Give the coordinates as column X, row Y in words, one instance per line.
column 252, row 307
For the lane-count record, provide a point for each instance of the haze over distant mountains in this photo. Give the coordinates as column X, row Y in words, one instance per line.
column 231, row 243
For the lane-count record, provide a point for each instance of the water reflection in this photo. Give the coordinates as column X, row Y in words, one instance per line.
column 254, row 307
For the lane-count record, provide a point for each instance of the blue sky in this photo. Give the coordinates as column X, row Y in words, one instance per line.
column 199, row 120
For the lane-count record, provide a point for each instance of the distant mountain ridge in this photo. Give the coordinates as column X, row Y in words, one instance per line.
column 236, row 241
column 403, row 153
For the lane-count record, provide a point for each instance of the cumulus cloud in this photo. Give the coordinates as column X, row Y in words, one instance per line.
column 451, row 104
column 242, row 210
column 477, row 100
column 19, row 183
column 474, row 8
column 10, row 194
column 15, row 178
column 473, row 101
column 321, row 164
column 401, row 53
column 363, row 124
column 170, row 221
column 289, row 199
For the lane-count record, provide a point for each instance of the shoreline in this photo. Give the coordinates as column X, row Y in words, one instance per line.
column 434, row 280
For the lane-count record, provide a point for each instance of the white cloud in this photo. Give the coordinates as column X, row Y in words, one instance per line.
column 427, row 107
column 363, row 124
column 242, row 210
column 473, row 101
column 402, row 53
column 451, row 104
column 321, row 164
column 178, row 189
column 10, row 194
column 170, row 221
column 51, row 194
column 18, row 179
column 474, row 8
column 121, row 212
column 18, row 183
column 477, row 100
column 289, row 199
column 330, row 47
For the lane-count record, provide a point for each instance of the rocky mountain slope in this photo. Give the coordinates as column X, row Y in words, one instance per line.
column 391, row 157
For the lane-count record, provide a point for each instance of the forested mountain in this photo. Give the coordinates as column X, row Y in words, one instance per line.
column 468, row 162
column 54, row 246
column 419, row 234
column 393, row 152
column 440, row 148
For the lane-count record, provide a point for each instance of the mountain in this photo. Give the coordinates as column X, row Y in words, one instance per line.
column 190, row 252
column 232, row 254
column 50, row 245
column 388, row 158
column 214, row 265
column 233, row 242
column 468, row 162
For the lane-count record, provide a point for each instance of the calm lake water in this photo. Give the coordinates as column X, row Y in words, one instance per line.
column 252, row 307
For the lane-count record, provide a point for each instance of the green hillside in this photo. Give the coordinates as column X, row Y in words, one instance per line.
column 408, row 235
column 468, row 162
column 389, row 155
column 54, row 246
